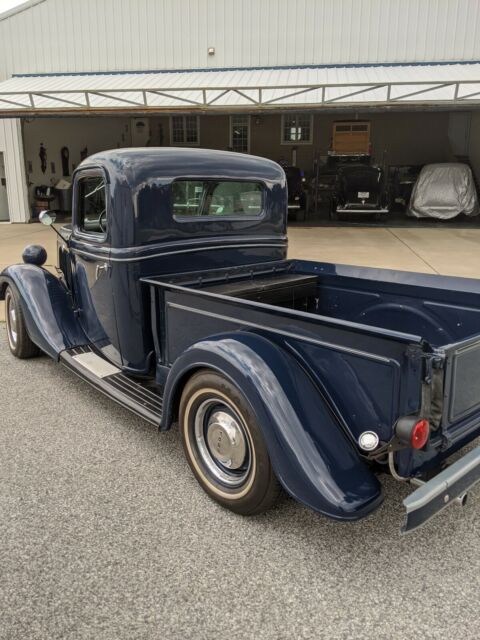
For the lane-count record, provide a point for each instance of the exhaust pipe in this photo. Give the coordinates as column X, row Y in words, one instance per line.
column 461, row 501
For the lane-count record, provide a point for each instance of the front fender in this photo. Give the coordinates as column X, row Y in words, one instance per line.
column 47, row 308
column 312, row 457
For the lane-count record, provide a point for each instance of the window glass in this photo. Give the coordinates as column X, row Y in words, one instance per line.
column 216, row 198
column 240, row 133
column 297, row 128
column 343, row 127
column 185, row 130
column 92, row 207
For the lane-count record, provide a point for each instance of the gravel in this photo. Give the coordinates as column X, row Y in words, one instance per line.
column 105, row 533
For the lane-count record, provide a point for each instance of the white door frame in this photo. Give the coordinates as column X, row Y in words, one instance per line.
column 11, row 145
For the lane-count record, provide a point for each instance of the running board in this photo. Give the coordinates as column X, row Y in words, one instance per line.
column 131, row 393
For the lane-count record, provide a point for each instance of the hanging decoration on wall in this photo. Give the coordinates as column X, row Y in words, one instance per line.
column 65, row 154
column 83, row 153
column 43, row 158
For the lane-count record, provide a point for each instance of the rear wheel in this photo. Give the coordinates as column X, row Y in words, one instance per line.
column 18, row 339
column 224, row 445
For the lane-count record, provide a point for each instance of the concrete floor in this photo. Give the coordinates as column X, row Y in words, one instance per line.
column 432, row 250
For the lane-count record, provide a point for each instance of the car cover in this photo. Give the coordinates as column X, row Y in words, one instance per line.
column 444, row 191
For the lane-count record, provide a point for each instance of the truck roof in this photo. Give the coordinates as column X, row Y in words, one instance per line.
column 136, row 165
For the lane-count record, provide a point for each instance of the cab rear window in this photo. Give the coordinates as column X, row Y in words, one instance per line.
column 217, row 198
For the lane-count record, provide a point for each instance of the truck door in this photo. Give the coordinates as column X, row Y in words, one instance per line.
column 90, row 245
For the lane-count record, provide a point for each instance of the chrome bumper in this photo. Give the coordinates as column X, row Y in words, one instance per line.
column 361, row 210
column 442, row 491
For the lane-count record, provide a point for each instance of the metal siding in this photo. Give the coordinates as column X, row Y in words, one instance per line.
column 101, row 35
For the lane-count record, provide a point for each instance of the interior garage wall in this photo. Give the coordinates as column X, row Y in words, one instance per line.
column 408, row 138
column 96, row 134
column 11, row 147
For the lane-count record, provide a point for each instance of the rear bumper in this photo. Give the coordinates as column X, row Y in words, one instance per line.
column 361, row 210
column 440, row 492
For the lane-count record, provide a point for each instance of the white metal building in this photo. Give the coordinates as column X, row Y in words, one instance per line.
column 268, row 77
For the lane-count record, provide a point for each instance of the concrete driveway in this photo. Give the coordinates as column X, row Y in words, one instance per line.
column 104, row 533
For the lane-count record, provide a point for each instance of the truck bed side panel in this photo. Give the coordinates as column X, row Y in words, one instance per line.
column 360, row 375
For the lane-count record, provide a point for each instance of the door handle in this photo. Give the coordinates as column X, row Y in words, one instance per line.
column 101, row 268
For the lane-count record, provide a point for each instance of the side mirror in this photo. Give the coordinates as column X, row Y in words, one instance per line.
column 47, row 217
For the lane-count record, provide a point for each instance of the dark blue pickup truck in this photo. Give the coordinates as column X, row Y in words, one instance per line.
column 175, row 298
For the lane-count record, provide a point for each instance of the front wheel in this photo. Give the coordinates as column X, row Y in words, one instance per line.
column 18, row 339
column 224, row 445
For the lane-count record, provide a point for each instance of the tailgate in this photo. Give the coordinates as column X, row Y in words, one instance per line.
column 462, row 380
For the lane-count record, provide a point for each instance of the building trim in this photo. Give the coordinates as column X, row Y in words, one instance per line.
column 368, row 65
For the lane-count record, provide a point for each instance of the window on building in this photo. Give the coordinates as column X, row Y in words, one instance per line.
column 297, row 128
column 240, row 133
column 185, row 130
column 92, row 205
column 217, row 198
column 351, row 137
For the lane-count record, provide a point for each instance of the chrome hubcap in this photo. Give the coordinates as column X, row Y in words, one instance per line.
column 11, row 322
column 222, row 442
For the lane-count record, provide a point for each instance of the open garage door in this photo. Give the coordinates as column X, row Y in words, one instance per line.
column 273, row 88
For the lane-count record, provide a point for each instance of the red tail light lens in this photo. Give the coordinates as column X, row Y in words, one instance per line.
column 420, row 434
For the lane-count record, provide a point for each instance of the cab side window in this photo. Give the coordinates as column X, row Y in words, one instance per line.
column 228, row 198
column 92, row 205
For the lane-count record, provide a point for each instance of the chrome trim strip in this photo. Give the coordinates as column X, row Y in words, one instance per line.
column 287, row 334
column 360, row 210
column 99, row 256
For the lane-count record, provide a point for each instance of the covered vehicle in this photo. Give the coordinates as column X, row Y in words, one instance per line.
column 444, row 191
column 360, row 188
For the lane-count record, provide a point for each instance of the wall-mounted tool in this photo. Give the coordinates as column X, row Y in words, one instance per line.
column 43, row 158
column 65, row 154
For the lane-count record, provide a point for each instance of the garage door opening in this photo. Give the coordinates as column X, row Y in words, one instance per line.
column 317, row 148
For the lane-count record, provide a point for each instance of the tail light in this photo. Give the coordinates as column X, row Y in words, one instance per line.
column 414, row 432
column 420, row 434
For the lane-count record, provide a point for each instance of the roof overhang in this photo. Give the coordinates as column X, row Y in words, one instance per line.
column 243, row 89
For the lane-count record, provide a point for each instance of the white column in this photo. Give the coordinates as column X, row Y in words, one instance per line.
column 11, row 145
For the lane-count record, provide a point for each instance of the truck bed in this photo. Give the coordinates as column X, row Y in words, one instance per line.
column 440, row 310
column 376, row 331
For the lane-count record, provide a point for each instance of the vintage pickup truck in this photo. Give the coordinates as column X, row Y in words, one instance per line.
column 175, row 298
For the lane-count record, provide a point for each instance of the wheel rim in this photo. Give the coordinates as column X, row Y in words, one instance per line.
column 11, row 317
column 222, row 442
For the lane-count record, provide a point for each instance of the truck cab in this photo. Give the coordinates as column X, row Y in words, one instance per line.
column 138, row 213
column 175, row 298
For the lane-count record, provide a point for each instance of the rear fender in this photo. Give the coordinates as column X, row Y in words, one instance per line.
column 312, row 457
column 47, row 308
